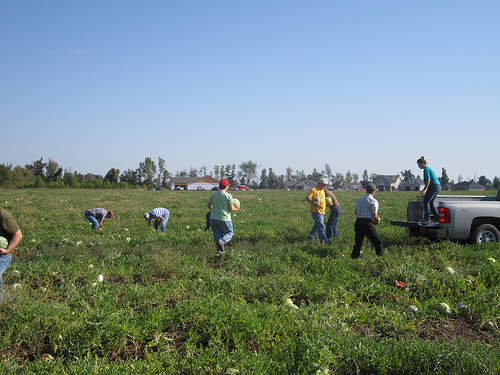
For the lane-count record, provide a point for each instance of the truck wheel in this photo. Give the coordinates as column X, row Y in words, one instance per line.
column 485, row 233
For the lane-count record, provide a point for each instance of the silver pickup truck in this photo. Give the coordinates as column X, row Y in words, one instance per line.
column 471, row 218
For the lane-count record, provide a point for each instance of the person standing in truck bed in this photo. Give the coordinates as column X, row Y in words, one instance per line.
column 430, row 191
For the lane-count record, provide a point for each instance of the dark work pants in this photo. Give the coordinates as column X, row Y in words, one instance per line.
column 362, row 228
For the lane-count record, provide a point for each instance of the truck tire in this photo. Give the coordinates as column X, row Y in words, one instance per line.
column 485, row 233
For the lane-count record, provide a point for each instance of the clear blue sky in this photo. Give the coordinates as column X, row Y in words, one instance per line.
column 359, row 85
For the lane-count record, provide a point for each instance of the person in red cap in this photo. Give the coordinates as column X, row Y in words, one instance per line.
column 221, row 204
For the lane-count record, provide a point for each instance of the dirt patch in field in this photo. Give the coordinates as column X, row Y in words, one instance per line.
column 215, row 265
column 456, row 328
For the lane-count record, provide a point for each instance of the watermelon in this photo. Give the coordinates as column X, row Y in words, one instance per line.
column 236, row 203
column 3, row 243
column 443, row 308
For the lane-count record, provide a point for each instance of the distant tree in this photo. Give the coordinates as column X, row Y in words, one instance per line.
column 328, row 172
column 281, row 182
column 444, row 180
column 38, row 168
column 228, row 173
column 216, row 172
column 21, row 176
column 147, row 171
column 222, row 171
column 273, row 180
column 53, row 172
column 131, row 177
column 92, row 179
column 161, row 170
column 263, row 179
column 316, row 175
column 232, row 175
column 193, row 172
column 6, row 175
column 355, row 177
column 203, row 171
column 496, row 182
column 485, row 182
column 112, row 176
column 348, row 177
column 247, row 172
column 338, row 180
column 163, row 173
column 39, row 182
column 460, row 178
column 406, row 175
column 366, row 179
column 289, row 174
column 70, row 179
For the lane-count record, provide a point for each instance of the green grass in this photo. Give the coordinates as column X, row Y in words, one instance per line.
column 168, row 305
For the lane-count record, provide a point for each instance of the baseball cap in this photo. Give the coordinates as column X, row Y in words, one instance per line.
column 224, row 182
column 323, row 181
column 371, row 187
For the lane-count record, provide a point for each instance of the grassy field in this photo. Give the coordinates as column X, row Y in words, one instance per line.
column 168, row 305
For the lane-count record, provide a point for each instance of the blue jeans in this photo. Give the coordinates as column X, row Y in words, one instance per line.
column 4, row 263
column 95, row 223
column 164, row 223
column 222, row 230
column 429, row 197
column 318, row 227
column 331, row 224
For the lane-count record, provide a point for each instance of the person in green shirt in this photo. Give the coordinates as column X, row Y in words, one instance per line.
column 221, row 204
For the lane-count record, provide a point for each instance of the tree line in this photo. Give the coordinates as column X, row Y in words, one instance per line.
column 50, row 174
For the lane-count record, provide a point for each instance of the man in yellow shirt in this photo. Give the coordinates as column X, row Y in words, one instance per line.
column 316, row 197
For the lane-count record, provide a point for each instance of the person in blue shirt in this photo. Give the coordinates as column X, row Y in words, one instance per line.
column 96, row 216
column 430, row 191
column 160, row 216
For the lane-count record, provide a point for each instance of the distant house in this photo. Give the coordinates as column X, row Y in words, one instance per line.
column 446, row 187
column 387, row 182
column 302, row 185
column 412, row 184
column 291, row 185
column 351, row 186
column 193, row 183
column 467, row 185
